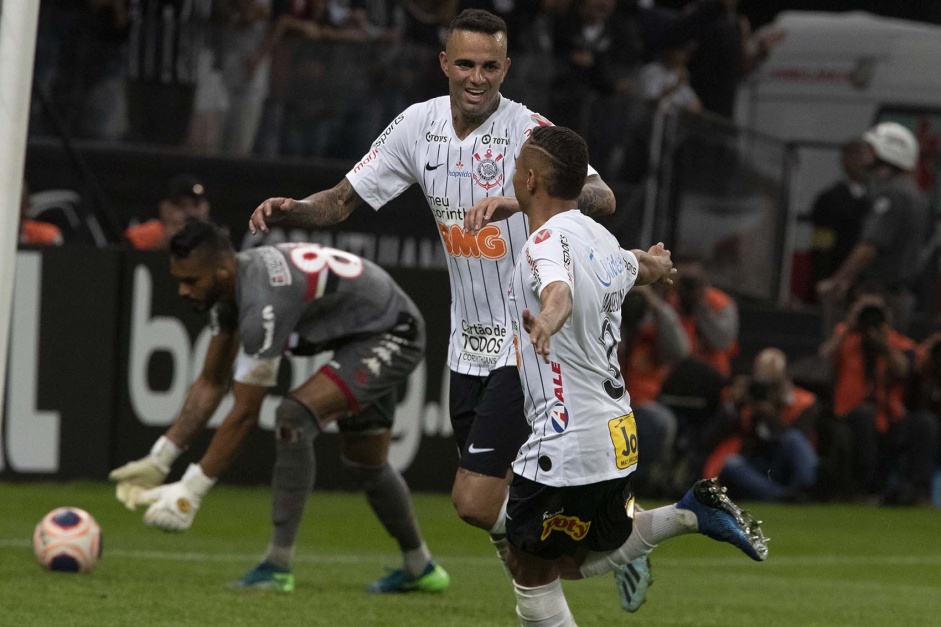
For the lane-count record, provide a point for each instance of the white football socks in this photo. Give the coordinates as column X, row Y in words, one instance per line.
column 651, row 527
column 543, row 606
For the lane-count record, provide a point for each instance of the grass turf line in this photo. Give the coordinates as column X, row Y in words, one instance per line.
column 829, row 565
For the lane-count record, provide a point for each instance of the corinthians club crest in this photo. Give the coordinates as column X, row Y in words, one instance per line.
column 487, row 170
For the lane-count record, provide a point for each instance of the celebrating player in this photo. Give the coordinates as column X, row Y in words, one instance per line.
column 461, row 150
column 305, row 299
column 571, row 509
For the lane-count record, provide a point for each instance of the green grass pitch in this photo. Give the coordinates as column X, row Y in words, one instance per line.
column 828, row 566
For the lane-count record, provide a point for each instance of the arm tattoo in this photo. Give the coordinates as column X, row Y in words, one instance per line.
column 327, row 207
column 596, row 199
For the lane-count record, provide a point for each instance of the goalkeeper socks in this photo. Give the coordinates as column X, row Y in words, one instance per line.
column 651, row 527
column 282, row 556
column 293, row 477
column 388, row 495
column 543, row 606
column 415, row 562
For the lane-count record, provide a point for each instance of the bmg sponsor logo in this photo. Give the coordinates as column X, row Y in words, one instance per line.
column 486, row 243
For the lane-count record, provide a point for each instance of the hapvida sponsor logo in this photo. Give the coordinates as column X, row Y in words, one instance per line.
column 572, row 526
column 606, row 268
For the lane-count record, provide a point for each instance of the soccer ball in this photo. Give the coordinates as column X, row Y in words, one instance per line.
column 67, row 539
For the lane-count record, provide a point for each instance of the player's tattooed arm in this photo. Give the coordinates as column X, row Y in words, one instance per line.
column 324, row 208
column 596, row 199
column 327, row 207
column 207, row 391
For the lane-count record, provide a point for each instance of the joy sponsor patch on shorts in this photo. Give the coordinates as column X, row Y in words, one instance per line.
column 572, row 526
column 481, row 342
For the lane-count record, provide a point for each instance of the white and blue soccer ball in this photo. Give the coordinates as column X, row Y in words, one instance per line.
column 67, row 539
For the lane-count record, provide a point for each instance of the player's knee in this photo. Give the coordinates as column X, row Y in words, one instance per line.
column 472, row 509
column 295, row 423
column 366, row 476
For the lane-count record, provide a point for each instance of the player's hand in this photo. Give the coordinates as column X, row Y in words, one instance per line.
column 539, row 333
column 173, row 506
column 488, row 210
column 663, row 263
column 133, row 478
column 271, row 210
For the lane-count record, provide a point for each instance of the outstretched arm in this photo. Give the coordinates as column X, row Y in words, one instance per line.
column 556, row 302
column 655, row 266
column 321, row 209
column 202, row 399
column 173, row 506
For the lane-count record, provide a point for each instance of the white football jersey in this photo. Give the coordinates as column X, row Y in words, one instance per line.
column 577, row 405
column 420, row 147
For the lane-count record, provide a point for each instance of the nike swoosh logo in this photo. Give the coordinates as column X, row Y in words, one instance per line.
column 430, row 167
column 473, row 449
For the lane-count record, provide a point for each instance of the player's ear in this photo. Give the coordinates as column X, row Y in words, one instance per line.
column 223, row 273
column 443, row 59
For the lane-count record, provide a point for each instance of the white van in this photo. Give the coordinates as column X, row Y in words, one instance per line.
column 832, row 77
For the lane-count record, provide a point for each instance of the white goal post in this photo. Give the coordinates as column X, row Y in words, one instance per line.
column 18, row 22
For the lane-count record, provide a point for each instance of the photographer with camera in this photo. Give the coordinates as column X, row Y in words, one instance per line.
column 872, row 368
column 771, row 457
column 708, row 315
column 652, row 343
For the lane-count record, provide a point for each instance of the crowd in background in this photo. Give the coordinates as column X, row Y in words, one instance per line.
column 321, row 78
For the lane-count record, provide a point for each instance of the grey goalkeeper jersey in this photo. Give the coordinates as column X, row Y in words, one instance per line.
column 306, row 298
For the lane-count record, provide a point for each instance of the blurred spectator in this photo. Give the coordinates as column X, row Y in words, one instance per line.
column 665, row 81
column 238, row 28
column 727, row 52
column 894, row 231
column 531, row 25
column 838, row 212
column 772, row 457
column 279, row 49
column 79, row 66
column 34, row 231
column 925, row 417
column 708, row 315
column 313, row 44
column 167, row 39
column 652, row 343
column 596, row 54
column 872, row 366
column 185, row 197
column 424, row 30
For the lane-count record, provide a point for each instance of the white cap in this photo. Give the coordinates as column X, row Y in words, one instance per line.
column 894, row 144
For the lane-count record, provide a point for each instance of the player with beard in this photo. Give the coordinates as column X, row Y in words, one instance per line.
column 461, row 150
column 303, row 299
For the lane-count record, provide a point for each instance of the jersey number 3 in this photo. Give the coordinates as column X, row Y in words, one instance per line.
column 613, row 386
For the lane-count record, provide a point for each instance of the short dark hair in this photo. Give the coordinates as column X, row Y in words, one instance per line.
column 200, row 237
column 566, row 156
column 478, row 21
